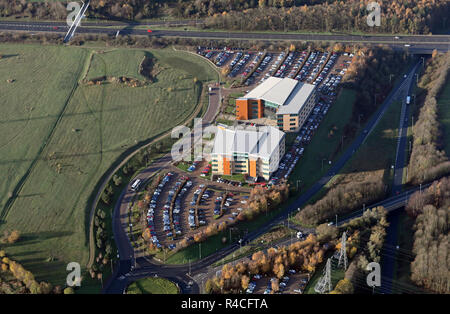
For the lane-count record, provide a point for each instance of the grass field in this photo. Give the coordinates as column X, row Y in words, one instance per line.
column 402, row 269
column 444, row 115
column 378, row 151
column 126, row 63
column 152, row 285
column 337, row 274
column 322, row 146
column 60, row 137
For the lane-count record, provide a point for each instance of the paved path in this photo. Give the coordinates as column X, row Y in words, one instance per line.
column 145, row 266
column 121, row 223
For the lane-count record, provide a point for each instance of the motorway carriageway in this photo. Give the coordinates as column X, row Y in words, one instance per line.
column 417, row 43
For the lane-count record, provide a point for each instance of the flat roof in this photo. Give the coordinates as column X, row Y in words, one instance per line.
column 297, row 99
column 262, row 88
column 256, row 142
column 280, row 92
column 287, row 93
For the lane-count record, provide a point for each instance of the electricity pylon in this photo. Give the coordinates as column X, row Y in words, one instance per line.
column 343, row 252
column 324, row 283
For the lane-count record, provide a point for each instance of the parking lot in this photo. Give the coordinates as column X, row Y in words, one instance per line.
column 323, row 69
column 188, row 200
column 292, row 282
column 184, row 203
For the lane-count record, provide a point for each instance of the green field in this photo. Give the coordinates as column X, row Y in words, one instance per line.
column 337, row 274
column 59, row 138
column 444, row 115
column 378, row 151
column 323, row 145
column 117, row 63
column 152, row 285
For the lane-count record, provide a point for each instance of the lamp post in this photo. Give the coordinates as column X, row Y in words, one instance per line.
column 359, row 119
column 297, row 183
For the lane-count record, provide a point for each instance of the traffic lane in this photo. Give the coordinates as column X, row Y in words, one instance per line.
column 420, row 42
column 389, row 204
column 101, row 23
column 214, row 257
column 199, row 266
column 213, row 106
column 126, row 253
column 349, row 152
column 400, row 161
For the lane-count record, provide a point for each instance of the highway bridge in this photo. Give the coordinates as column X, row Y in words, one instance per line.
column 390, row 204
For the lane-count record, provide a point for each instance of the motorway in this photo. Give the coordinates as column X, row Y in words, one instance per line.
column 392, row 229
column 417, row 43
column 131, row 268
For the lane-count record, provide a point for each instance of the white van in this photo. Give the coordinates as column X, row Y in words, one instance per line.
column 136, row 184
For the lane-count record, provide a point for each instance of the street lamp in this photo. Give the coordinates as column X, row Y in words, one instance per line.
column 322, row 162
column 359, row 119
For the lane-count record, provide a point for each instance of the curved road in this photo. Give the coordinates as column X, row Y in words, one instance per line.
column 131, row 269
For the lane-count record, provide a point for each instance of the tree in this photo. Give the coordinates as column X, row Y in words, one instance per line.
column 245, row 280
column 210, row 286
column 344, row 286
column 278, row 270
column 105, row 198
column 275, row 284
column 326, row 232
column 69, row 290
column 14, row 236
column 117, row 180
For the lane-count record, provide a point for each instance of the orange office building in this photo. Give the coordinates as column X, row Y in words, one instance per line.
column 252, row 151
column 285, row 100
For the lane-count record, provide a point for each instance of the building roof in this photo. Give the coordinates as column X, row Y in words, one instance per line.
column 256, row 143
column 297, row 99
column 262, row 88
column 288, row 94
column 280, row 92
